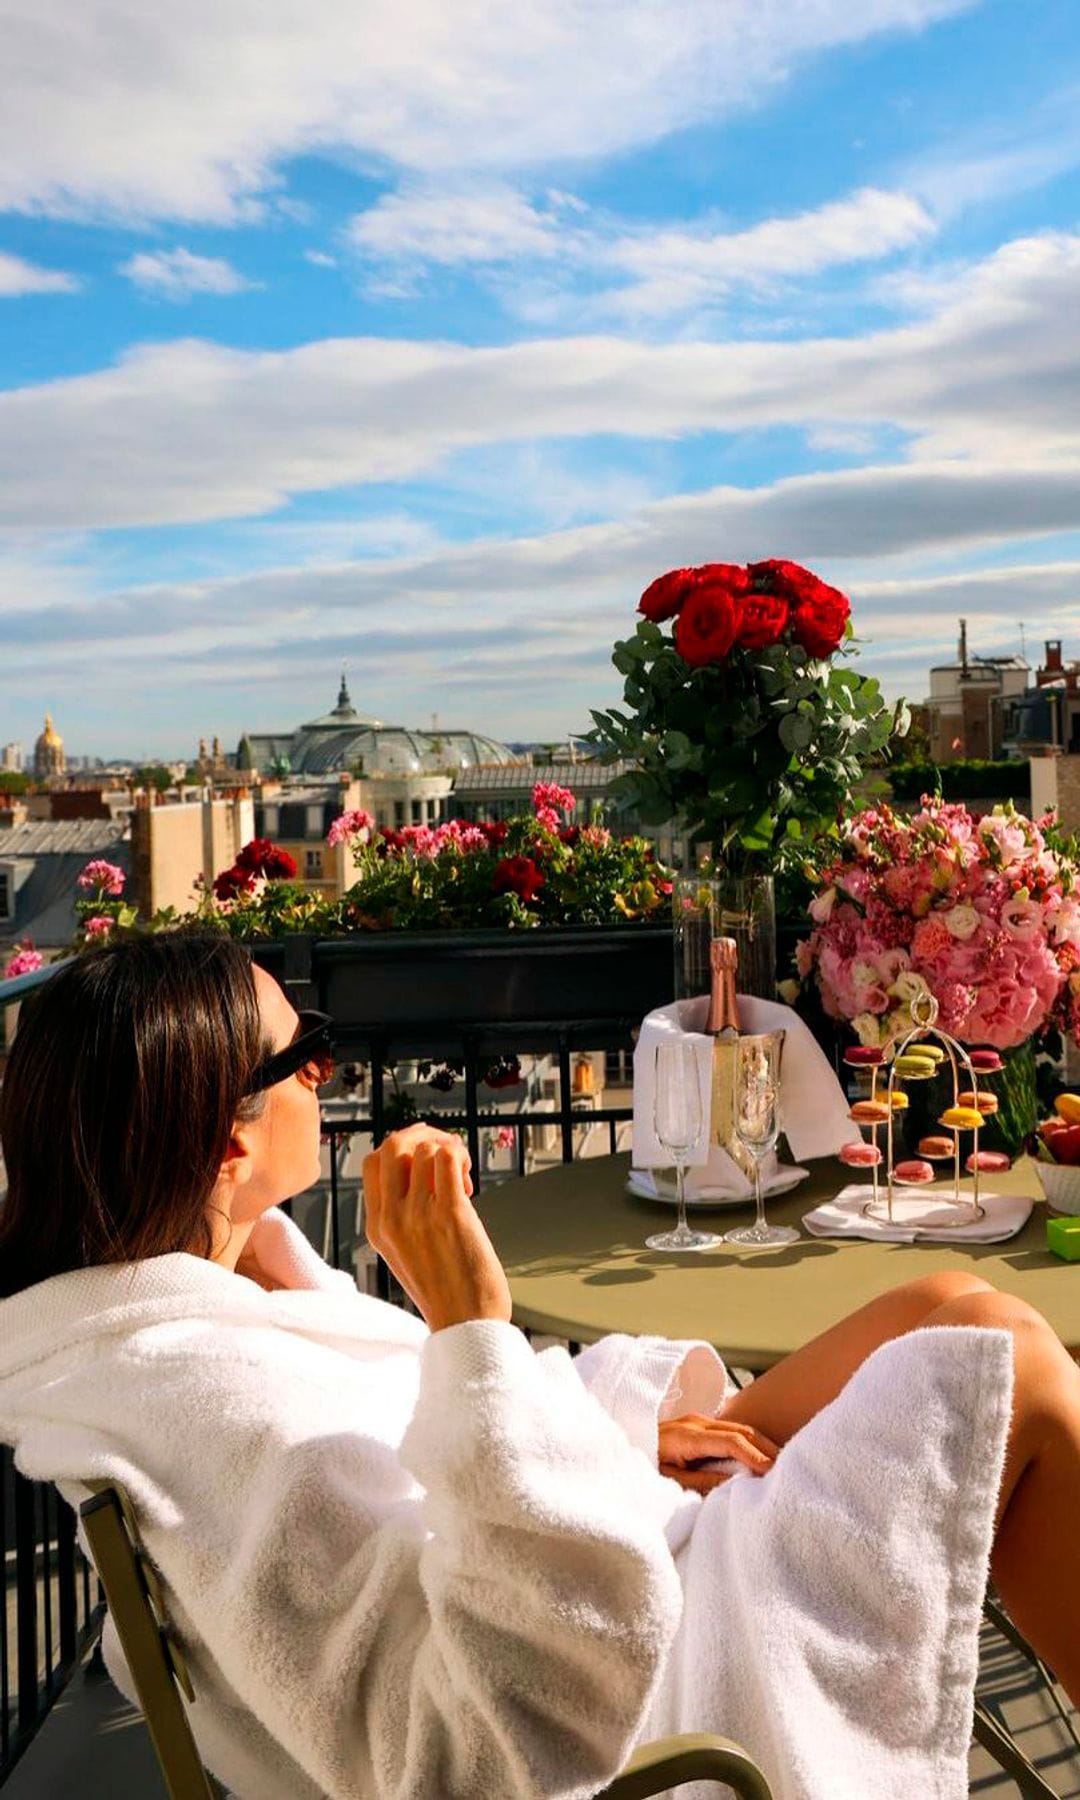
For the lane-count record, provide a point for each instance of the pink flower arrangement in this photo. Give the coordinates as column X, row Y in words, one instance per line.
column 24, row 961
column 98, row 927
column 982, row 913
column 106, row 877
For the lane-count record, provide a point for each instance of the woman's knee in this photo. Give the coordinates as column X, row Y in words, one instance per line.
column 945, row 1287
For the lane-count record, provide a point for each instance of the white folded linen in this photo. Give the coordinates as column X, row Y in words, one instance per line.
column 813, row 1107
column 914, row 1214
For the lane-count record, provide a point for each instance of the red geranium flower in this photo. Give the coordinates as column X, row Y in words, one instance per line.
column 517, row 875
column 762, row 621
column 705, row 629
column 262, row 857
column 231, row 883
column 664, row 596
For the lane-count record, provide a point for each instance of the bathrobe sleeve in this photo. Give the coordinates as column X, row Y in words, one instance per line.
column 497, row 1630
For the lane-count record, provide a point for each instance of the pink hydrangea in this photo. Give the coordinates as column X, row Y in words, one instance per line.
column 985, row 914
column 25, row 961
column 106, row 877
column 348, row 825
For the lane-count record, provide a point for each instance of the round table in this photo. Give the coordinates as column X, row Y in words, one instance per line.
column 572, row 1242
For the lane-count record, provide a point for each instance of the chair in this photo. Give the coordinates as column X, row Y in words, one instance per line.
column 136, row 1604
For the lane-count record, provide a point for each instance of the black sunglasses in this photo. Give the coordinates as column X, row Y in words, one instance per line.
column 312, row 1046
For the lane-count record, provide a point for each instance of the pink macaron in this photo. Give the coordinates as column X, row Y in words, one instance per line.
column 988, row 1162
column 913, row 1172
column 985, row 1062
column 860, row 1155
column 863, row 1056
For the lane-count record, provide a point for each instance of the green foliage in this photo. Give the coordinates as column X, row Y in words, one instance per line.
column 967, row 779
column 153, row 775
column 12, row 781
column 751, row 754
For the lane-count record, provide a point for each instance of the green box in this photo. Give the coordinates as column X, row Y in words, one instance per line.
column 1063, row 1237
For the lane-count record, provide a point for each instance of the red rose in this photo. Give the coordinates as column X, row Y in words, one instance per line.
column 729, row 575
column 664, row 596
column 762, row 621
column 705, row 629
column 790, row 581
column 819, row 624
column 517, row 875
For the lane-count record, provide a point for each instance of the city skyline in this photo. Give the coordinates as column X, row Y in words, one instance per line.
column 376, row 338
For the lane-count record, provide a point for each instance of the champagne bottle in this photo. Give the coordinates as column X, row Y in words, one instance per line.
column 723, row 1026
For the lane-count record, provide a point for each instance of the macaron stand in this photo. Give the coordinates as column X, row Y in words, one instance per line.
column 920, row 1056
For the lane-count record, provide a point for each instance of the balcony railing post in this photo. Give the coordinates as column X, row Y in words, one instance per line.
column 26, row 1600
column 566, row 1101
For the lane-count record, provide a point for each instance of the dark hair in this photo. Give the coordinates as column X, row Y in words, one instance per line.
column 128, row 1071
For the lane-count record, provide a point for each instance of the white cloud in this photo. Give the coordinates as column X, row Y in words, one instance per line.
column 17, row 276
column 321, row 259
column 214, row 95
column 510, row 636
column 196, row 431
column 426, row 224
column 177, row 274
column 676, row 268
column 656, row 270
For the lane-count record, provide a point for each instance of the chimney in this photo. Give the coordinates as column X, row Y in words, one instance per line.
column 963, row 647
column 1053, row 665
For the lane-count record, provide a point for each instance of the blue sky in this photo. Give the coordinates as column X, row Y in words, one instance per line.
column 424, row 337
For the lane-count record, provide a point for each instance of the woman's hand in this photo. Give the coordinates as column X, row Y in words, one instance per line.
column 420, row 1218
column 695, row 1439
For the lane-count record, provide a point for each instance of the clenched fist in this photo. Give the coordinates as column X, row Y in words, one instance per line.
column 420, row 1218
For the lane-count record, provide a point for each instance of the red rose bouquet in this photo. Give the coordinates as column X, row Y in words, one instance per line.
column 740, row 725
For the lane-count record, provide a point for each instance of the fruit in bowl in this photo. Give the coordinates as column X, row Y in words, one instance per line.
column 1059, row 1136
column 1059, row 1154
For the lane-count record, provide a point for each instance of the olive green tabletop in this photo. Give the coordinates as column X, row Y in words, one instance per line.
column 572, row 1241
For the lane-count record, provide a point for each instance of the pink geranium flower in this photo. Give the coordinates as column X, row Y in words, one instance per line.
column 108, row 878
column 25, row 961
column 353, row 824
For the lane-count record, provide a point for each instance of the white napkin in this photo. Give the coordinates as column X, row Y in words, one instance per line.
column 913, row 1212
column 813, row 1107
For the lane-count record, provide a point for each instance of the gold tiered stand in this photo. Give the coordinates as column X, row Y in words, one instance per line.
column 907, row 1065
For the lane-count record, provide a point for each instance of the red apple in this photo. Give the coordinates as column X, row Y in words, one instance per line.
column 1062, row 1141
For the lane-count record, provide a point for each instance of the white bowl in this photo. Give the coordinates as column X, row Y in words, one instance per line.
column 1061, row 1185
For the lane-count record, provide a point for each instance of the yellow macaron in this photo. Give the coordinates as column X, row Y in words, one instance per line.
column 1067, row 1106
column 961, row 1118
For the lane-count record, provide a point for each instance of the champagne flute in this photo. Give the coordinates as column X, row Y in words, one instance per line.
column 681, row 1122
column 757, row 1126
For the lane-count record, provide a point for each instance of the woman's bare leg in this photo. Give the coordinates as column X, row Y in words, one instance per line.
column 1036, row 1558
column 781, row 1401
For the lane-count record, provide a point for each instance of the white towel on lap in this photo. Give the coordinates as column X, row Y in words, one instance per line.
column 832, row 1608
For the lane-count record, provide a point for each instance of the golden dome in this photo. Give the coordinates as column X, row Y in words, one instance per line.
column 50, row 735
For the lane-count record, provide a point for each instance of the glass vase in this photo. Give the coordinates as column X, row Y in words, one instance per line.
column 1013, row 1088
column 708, row 906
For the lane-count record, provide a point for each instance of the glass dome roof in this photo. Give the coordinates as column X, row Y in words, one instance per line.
column 344, row 738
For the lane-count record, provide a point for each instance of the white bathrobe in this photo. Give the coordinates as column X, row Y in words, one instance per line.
column 442, row 1567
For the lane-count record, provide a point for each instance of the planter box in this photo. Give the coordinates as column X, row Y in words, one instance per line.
column 532, row 987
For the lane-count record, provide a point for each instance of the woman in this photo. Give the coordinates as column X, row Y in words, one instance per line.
column 417, row 1560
